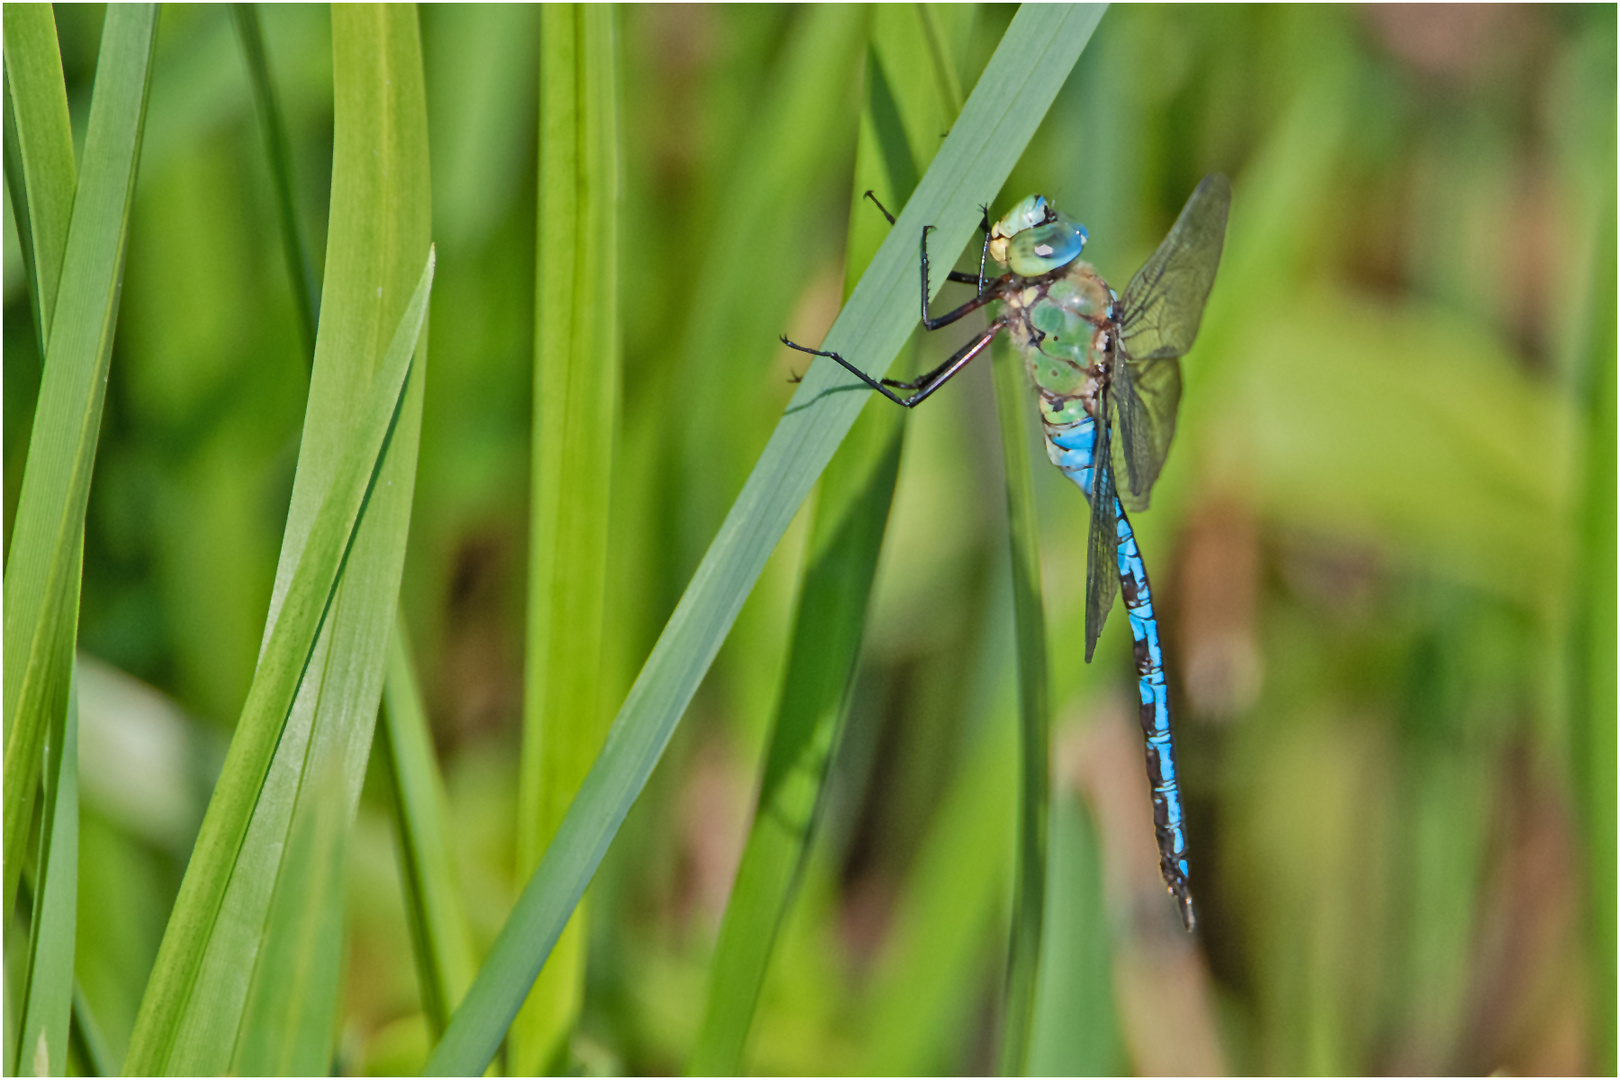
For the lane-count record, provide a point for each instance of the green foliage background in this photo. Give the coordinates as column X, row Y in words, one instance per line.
column 1383, row 546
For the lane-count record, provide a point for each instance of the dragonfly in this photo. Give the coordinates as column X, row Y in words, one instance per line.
column 1107, row 372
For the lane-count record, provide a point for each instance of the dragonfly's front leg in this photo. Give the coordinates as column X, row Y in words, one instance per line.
column 983, row 297
column 977, row 281
column 925, row 385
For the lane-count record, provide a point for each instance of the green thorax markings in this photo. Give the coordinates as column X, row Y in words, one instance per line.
column 1061, row 325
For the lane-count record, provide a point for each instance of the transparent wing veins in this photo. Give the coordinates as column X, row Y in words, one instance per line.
column 1159, row 317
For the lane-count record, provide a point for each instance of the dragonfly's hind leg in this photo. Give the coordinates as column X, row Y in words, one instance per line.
column 925, row 385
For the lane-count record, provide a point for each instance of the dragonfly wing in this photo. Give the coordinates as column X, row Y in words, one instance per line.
column 1102, row 563
column 1164, row 303
column 1158, row 321
column 1147, row 393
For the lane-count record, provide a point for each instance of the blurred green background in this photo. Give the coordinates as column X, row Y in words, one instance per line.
column 1383, row 546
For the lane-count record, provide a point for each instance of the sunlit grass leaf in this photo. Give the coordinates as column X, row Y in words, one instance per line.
column 328, row 557
column 380, row 227
column 1029, row 66
column 908, row 101
column 438, row 924
column 39, row 152
column 379, row 231
column 47, row 993
column 576, row 405
column 43, row 570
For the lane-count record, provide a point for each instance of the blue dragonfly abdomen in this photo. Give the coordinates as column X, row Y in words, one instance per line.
column 1071, row 437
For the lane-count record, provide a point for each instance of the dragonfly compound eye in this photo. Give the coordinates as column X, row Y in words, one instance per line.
column 1044, row 248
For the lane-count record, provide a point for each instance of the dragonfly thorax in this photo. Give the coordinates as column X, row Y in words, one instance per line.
column 1062, row 327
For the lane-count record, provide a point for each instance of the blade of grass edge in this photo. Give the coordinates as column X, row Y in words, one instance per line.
column 40, row 170
column 440, row 934
column 42, row 177
column 42, row 573
column 1593, row 694
column 280, row 672
column 294, row 855
column 306, row 293
column 47, row 995
column 576, row 405
column 265, row 997
column 851, row 516
column 1029, row 66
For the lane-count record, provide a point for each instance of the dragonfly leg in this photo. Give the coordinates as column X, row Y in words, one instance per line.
column 949, row 317
column 924, row 386
column 880, row 206
column 954, row 275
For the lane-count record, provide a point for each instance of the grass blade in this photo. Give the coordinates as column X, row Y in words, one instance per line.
column 576, row 404
column 287, row 1023
column 47, row 995
column 39, row 152
column 240, row 1014
column 440, row 935
column 1074, row 1030
column 1029, row 620
column 306, row 294
column 1023, row 76
column 288, row 653
column 846, row 536
column 439, row 931
column 42, row 573
column 1593, row 694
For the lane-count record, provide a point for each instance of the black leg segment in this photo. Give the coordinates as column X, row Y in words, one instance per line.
column 949, row 317
column 925, row 385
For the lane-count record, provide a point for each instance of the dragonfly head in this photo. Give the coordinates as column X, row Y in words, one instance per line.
column 1034, row 239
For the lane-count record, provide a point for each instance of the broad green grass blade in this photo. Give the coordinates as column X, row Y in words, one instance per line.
column 328, row 554
column 288, row 1022
column 47, row 995
column 39, row 152
column 41, row 175
column 439, row 932
column 1075, row 1031
column 1594, row 733
column 1023, row 76
column 42, row 573
column 576, row 404
column 306, row 296
column 907, row 103
column 1029, row 619
column 380, row 231
column 440, row 935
